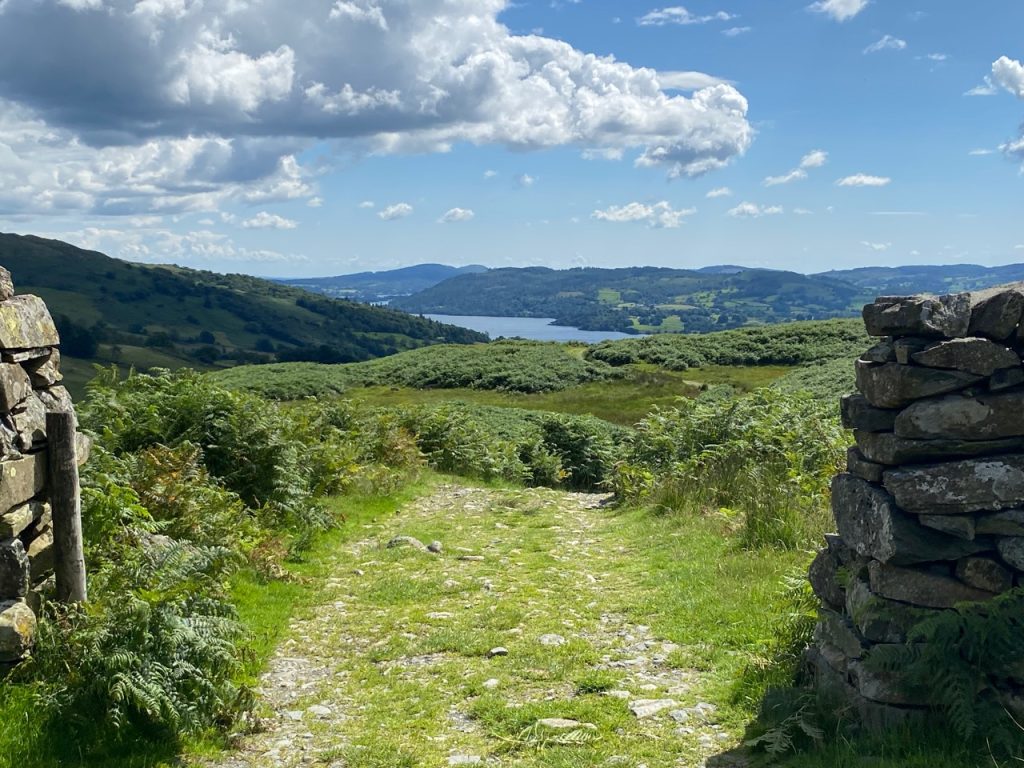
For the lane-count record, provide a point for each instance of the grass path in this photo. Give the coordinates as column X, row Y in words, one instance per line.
column 623, row 639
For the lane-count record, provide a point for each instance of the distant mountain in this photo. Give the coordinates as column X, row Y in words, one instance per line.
column 115, row 311
column 383, row 286
column 642, row 298
column 877, row 281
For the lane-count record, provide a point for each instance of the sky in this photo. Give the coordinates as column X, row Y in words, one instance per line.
column 324, row 137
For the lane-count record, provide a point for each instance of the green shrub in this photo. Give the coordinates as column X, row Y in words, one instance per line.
column 766, row 458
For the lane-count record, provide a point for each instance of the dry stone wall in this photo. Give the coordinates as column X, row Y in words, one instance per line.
column 930, row 512
column 30, row 387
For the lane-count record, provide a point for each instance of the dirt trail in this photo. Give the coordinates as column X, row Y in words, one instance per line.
column 507, row 648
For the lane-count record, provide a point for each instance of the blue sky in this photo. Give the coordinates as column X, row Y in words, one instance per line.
column 317, row 137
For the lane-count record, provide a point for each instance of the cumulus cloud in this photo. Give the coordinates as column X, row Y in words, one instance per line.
column 525, row 180
column 1009, row 74
column 753, row 211
column 886, row 43
column 735, row 31
column 813, row 159
column 456, row 215
column 679, row 15
column 227, row 91
column 367, row 205
column 396, row 211
column 840, row 10
column 657, row 216
column 863, row 180
column 876, row 247
column 264, row 220
column 719, row 192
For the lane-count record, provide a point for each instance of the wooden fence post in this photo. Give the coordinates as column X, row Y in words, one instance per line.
column 66, row 502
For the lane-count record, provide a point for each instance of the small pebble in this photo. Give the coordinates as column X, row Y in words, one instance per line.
column 499, row 651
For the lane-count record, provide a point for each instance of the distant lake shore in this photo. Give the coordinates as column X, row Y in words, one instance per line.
column 535, row 328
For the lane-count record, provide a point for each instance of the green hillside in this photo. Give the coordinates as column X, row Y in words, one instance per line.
column 384, row 285
column 642, row 298
column 153, row 316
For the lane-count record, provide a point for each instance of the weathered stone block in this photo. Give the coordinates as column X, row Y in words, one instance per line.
column 944, row 316
column 21, row 480
column 880, row 620
column 882, row 352
column 959, row 487
column 24, row 355
column 892, row 385
column 17, row 630
column 57, row 400
column 961, row 526
column 6, row 285
column 1011, row 549
column 920, row 588
column 18, row 519
column 1009, row 523
column 996, row 311
column 45, row 371
column 15, row 386
column 858, row 413
column 973, row 355
column 30, row 421
column 893, row 450
column 824, row 577
column 870, row 522
column 40, row 554
column 842, row 551
column 907, row 346
column 1005, row 379
column 25, row 323
column 984, row 573
column 14, row 575
column 838, row 631
column 857, row 465
column 986, row 417
column 883, row 687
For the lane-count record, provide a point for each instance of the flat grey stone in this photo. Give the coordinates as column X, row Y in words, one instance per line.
column 15, row 386
column 21, row 480
column 958, row 487
column 21, row 517
column 25, row 323
column 892, row 449
column 996, row 312
column 944, row 316
column 882, row 352
column 1012, row 551
column 878, row 619
column 644, row 708
column 17, row 630
column 6, row 285
column 14, row 570
column 921, row 588
column 407, row 541
column 858, row 413
column 1005, row 379
column 838, row 631
column 824, row 578
column 1008, row 523
column 961, row 526
column 984, row 573
column 892, row 385
column 982, row 357
column 985, row 417
column 871, row 523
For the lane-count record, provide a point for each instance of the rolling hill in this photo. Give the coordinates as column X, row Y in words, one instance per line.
column 947, row 278
column 642, row 298
column 152, row 316
column 385, row 285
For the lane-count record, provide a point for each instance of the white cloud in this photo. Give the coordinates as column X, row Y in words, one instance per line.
column 863, row 180
column 525, row 180
column 258, row 83
column 981, row 152
column 264, row 220
column 1019, row 247
column 735, row 31
column 396, row 211
column 679, row 15
column 719, row 192
column 456, row 215
column 490, row 174
column 840, row 10
column 315, row 202
column 937, row 57
column 658, row 216
column 1009, row 74
column 802, row 212
column 877, row 247
column 987, row 88
column 367, row 205
column 753, row 211
column 813, row 159
column 688, row 81
column 886, row 43
column 602, row 154
column 898, row 213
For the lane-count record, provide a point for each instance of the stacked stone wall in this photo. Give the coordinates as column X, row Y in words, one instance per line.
column 30, row 388
column 930, row 513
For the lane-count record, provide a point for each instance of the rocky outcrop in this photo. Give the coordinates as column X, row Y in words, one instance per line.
column 930, row 512
column 30, row 388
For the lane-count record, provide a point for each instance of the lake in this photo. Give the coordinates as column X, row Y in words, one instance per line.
column 536, row 328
